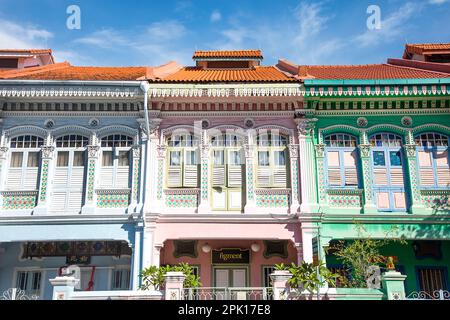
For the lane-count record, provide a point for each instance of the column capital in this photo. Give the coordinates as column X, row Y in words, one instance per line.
column 47, row 152
column 249, row 150
column 410, row 150
column 293, row 150
column 93, row 151
column 306, row 127
column 136, row 151
column 365, row 150
column 3, row 152
column 320, row 150
column 161, row 149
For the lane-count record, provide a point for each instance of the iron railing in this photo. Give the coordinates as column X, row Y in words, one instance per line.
column 434, row 295
column 218, row 293
column 17, row 294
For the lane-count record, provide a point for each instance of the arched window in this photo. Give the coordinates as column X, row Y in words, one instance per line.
column 227, row 170
column 69, row 176
column 115, row 161
column 433, row 158
column 342, row 155
column 24, row 163
column 272, row 160
column 183, row 161
column 388, row 175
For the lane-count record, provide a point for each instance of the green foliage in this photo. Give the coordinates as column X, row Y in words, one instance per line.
column 309, row 276
column 360, row 254
column 153, row 277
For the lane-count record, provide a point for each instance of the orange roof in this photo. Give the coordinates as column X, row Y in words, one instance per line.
column 214, row 54
column 257, row 74
column 427, row 48
column 369, row 72
column 30, row 51
column 66, row 72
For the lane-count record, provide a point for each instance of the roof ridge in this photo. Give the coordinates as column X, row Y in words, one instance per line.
column 416, row 69
column 10, row 74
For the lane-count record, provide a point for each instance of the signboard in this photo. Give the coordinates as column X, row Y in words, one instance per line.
column 230, row 256
column 70, row 260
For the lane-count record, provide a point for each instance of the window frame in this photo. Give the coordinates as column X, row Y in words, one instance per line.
column 116, row 150
column 433, row 157
column 120, row 268
column 342, row 167
column 28, row 270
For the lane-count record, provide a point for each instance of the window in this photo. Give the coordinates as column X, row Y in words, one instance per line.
column 342, row 158
column 115, row 171
column 68, row 182
column 388, row 176
column 24, row 163
column 433, row 160
column 120, row 279
column 183, row 161
column 272, row 160
column 432, row 279
column 30, row 282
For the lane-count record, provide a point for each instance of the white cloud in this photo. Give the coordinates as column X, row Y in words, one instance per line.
column 106, row 38
column 216, row 16
column 166, row 30
column 15, row 36
column 393, row 26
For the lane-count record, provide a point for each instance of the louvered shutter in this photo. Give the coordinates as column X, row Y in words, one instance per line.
column 334, row 170
column 380, row 176
column 59, row 200
column 350, row 173
column 30, row 180
column 75, row 200
column 443, row 168
column 174, row 177
column 425, row 169
column 123, row 177
column 397, row 177
column 106, row 177
column 279, row 176
column 190, row 176
column 14, row 181
column 263, row 176
column 234, row 169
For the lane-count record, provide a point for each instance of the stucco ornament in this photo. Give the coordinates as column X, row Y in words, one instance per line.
column 3, row 152
column 320, row 150
column 293, row 150
column 362, row 122
column 306, row 126
column 365, row 150
column 47, row 152
column 136, row 151
column 410, row 150
column 93, row 151
column 407, row 121
column 161, row 151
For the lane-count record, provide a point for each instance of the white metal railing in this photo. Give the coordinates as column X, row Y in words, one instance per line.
column 434, row 295
column 17, row 294
column 223, row 293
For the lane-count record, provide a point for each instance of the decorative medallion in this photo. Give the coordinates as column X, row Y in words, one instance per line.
column 249, row 123
column 94, row 122
column 362, row 122
column 49, row 124
column 407, row 121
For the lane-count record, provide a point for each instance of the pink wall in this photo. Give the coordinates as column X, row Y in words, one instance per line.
column 257, row 259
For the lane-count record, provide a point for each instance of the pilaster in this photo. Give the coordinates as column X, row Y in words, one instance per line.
column 250, row 205
column 90, row 199
column 366, row 168
column 47, row 155
column 295, row 202
column 205, row 204
column 411, row 158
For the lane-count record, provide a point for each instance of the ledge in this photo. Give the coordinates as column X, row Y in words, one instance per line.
column 113, row 191
column 19, row 193
column 272, row 191
column 435, row 192
column 182, row 191
column 345, row 191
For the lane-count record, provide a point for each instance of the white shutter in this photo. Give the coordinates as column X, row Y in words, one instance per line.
column 279, row 177
column 106, row 177
column 174, row 177
column 234, row 176
column 218, row 176
column 123, row 177
column 77, row 177
column 235, row 200
column 190, row 176
column 75, row 200
column 380, row 177
column 397, row 177
column 61, row 177
column 59, row 200
column 14, row 181
column 30, row 180
column 263, row 176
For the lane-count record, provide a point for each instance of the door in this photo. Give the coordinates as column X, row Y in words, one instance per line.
column 229, row 278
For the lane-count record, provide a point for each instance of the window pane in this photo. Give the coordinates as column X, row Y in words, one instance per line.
column 78, row 159
column 235, row 158
column 33, row 160
column 107, row 159
column 263, row 158
column 175, row 158
column 63, row 159
column 280, row 158
column 191, row 158
column 396, row 158
column 16, row 159
column 378, row 158
column 219, row 159
column 124, row 159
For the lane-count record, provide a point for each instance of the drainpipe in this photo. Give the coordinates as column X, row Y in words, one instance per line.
column 145, row 86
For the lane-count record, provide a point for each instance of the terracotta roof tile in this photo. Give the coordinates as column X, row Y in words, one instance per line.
column 257, row 74
column 255, row 54
column 427, row 48
column 66, row 72
column 30, row 51
column 369, row 72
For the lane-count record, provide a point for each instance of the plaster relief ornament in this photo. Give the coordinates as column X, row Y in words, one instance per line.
column 362, row 122
column 407, row 121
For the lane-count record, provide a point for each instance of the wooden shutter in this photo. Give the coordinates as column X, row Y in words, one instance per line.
column 263, row 176
column 106, row 177
column 234, row 176
column 30, row 180
column 75, row 200
column 350, row 171
column 397, row 177
column 14, row 181
column 279, row 177
column 443, row 168
column 123, row 177
column 174, row 177
column 219, row 176
column 190, row 176
column 380, row 176
column 426, row 172
column 59, row 200
column 334, row 170
column 399, row 200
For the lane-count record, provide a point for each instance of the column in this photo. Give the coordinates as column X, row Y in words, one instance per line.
column 174, row 285
column 308, row 174
column 135, row 177
column 250, row 203
column 366, row 168
column 157, row 254
column 280, row 284
column 161, row 149
column 147, row 245
column 295, row 203
column 47, row 154
column 90, row 202
column 414, row 182
column 205, row 204
column 136, row 259
column 393, row 285
column 3, row 169
column 299, row 248
column 63, row 287
column 320, row 165
column 309, row 232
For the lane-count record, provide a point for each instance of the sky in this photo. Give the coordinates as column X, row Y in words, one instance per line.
column 151, row 33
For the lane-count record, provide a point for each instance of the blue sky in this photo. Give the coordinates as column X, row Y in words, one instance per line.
column 154, row 32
